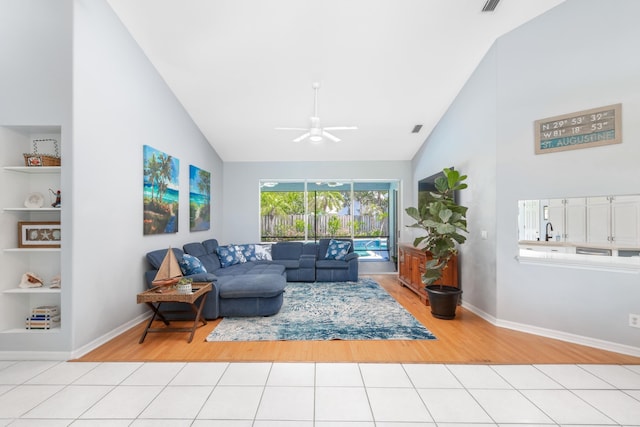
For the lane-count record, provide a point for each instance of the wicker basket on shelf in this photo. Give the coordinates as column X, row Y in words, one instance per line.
column 38, row 159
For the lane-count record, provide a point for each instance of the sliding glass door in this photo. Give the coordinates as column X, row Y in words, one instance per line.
column 309, row 210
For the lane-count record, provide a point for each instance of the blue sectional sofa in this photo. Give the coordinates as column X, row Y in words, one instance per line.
column 249, row 279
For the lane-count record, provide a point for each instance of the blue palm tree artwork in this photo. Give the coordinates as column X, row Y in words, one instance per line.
column 160, row 192
column 199, row 199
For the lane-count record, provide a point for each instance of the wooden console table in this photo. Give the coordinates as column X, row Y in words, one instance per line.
column 411, row 262
column 154, row 299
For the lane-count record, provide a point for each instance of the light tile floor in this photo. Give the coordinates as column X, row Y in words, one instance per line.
column 47, row 393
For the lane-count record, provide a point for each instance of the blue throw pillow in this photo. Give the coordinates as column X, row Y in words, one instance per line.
column 229, row 255
column 338, row 249
column 248, row 252
column 191, row 265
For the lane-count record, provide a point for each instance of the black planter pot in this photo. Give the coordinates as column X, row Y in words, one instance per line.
column 443, row 301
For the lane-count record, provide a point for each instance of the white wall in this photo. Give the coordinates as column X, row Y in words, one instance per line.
column 35, row 90
column 120, row 104
column 580, row 55
column 242, row 192
column 35, row 76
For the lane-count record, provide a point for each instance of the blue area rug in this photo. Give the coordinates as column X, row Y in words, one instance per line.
column 360, row 310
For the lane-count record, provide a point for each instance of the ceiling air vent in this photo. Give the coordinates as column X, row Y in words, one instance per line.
column 490, row 5
column 416, row 128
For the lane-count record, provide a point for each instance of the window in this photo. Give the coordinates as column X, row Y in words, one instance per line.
column 313, row 209
column 282, row 211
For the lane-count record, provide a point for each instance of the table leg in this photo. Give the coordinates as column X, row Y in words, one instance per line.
column 156, row 312
column 198, row 317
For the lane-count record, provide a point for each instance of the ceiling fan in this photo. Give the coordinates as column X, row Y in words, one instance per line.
column 315, row 133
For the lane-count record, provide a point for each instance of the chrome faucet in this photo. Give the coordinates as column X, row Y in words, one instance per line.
column 548, row 236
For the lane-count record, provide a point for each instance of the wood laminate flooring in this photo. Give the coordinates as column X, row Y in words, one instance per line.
column 468, row 339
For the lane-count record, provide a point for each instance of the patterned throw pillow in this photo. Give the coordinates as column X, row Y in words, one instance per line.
column 248, row 251
column 263, row 252
column 229, row 255
column 191, row 265
column 337, row 249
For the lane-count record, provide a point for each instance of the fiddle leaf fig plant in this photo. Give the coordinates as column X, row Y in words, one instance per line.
column 443, row 220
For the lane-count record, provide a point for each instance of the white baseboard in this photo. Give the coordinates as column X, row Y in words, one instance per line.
column 559, row 335
column 35, row 355
column 79, row 352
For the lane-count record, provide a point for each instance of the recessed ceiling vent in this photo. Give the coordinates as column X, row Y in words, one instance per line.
column 416, row 128
column 490, row 5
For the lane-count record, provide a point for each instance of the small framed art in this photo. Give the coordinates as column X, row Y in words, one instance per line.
column 39, row 234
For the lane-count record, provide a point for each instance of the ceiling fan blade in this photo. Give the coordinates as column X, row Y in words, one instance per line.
column 329, row 136
column 342, row 128
column 301, row 137
column 291, row 128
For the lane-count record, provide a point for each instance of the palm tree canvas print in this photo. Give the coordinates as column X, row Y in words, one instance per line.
column 160, row 192
column 199, row 199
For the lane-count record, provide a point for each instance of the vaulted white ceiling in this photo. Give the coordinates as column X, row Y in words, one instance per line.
column 243, row 67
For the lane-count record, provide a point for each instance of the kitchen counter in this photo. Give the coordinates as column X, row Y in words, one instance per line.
column 563, row 254
column 553, row 243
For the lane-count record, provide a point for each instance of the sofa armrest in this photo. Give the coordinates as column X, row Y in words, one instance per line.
column 307, row 261
column 203, row 277
column 350, row 256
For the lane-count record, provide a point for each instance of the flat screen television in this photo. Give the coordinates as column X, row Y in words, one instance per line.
column 426, row 185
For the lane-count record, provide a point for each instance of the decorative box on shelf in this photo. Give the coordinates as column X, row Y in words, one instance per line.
column 43, row 317
column 38, row 159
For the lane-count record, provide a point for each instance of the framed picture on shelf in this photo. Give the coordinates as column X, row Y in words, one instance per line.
column 39, row 234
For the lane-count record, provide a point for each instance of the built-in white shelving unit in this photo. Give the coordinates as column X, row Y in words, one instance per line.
column 16, row 183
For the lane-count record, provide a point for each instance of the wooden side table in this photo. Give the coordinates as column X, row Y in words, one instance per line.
column 154, row 300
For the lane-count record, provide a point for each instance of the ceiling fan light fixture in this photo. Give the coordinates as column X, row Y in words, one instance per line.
column 317, row 134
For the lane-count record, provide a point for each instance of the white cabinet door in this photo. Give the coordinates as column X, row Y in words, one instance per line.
column 576, row 220
column 625, row 221
column 598, row 220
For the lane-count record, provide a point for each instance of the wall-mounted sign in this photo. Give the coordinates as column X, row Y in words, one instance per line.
column 584, row 129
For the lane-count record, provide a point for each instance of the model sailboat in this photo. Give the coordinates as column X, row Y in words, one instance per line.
column 169, row 272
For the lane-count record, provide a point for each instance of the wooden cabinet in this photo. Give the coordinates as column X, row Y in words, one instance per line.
column 411, row 263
